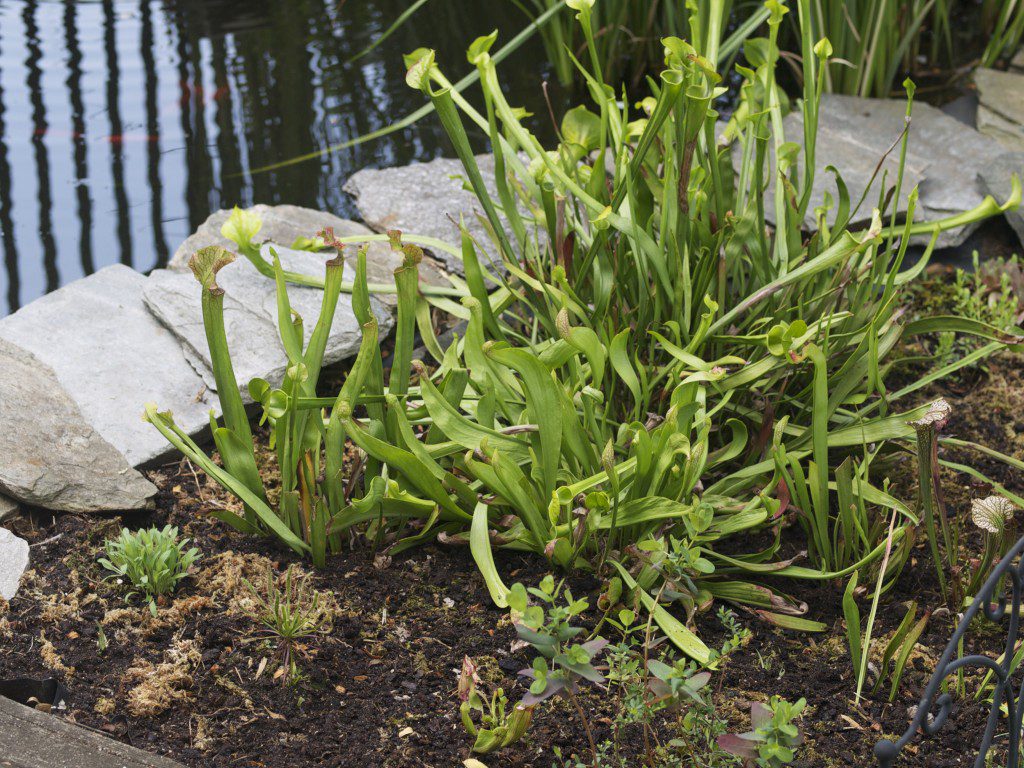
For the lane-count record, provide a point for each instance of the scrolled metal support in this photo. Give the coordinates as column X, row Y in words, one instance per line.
column 933, row 709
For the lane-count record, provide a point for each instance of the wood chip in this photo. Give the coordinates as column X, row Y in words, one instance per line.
column 854, row 725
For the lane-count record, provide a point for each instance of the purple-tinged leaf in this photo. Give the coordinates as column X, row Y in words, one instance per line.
column 760, row 715
column 738, row 745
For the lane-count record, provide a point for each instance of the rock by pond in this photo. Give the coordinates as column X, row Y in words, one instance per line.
column 52, row 456
column 250, row 316
column 1001, row 106
column 113, row 357
column 283, row 224
column 422, row 199
column 81, row 363
column 943, row 155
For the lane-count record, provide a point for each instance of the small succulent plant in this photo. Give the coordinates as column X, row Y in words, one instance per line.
column 152, row 560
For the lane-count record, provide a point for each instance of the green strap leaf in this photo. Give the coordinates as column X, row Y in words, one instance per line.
column 464, row 431
column 480, row 546
column 675, row 630
column 165, row 424
column 543, row 407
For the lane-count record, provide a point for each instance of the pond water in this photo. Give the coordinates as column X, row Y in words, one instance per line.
column 124, row 123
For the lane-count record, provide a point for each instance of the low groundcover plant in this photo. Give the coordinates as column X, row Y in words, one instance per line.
column 151, row 560
column 291, row 613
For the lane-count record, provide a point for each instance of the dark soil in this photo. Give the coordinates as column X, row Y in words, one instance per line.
column 199, row 682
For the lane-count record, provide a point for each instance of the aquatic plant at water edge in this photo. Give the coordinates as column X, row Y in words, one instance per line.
column 621, row 246
column 303, row 510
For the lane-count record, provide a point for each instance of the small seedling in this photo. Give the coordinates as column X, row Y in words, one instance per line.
column 644, row 687
column 152, row 560
column 562, row 664
column 774, row 738
column 739, row 635
column 290, row 614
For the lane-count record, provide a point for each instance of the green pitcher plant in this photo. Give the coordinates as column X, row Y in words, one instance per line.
column 656, row 358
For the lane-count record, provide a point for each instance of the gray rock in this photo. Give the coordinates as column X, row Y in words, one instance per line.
column 113, row 357
column 420, row 198
column 8, row 507
column 52, row 457
column 942, row 153
column 963, row 108
column 13, row 562
column 282, row 224
column 1001, row 106
column 855, row 156
column 996, row 178
column 250, row 316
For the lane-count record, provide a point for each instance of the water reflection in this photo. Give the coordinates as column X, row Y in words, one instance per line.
column 123, row 124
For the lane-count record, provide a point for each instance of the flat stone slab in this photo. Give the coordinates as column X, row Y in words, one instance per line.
column 420, row 198
column 943, row 154
column 52, row 457
column 250, row 315
column 282, row 224
column 33, row 739
column 112, row 357
column 1001, row 106
column 996, row 178
column 13, row 562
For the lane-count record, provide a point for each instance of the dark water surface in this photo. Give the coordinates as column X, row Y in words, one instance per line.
column 124, row 123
